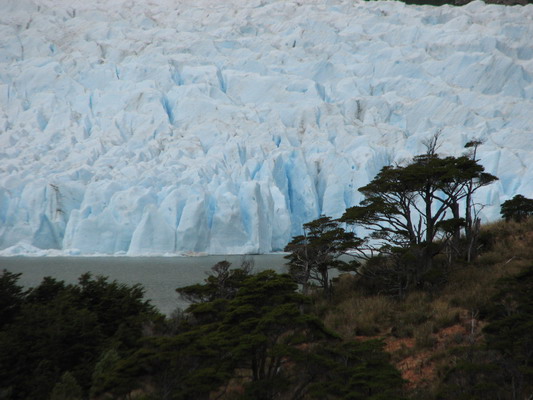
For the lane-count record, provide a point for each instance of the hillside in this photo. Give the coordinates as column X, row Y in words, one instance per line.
column 437, row 328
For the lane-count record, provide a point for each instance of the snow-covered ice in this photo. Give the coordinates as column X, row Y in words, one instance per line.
column 170, row 126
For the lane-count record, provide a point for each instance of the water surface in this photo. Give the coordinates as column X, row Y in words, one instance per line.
column 160, row 276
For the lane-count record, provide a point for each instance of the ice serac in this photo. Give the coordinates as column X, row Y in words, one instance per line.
column 202, row 126
column 153, row 235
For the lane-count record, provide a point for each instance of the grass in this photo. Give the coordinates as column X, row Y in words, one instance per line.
column 360, row 316
column 437, row 320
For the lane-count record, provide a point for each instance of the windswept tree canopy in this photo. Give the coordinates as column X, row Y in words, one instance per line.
column 222, row 283
column 257, row 344
column 318, row 250
column 253, row 330
column 416, row 204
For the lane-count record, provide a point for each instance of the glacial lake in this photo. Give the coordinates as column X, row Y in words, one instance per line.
column 160, row 276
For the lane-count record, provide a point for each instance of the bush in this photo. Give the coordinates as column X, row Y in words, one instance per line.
column 388, row 275
column 67, row 389
column 518, row 209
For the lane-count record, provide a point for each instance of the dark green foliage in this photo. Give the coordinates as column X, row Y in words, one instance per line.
column 222, row 283
column 103, row 368
column 67, row 389
column 510, row 330
column 265, row 307
column 354, row 371
column 11, row 297
column 259, row 345
column 511, row 317
column 60, row 328
column 48, row 290
column 503, row 368
column 247, row 331
column 517, row 209
column 477, row 374
column 56, row 333
column 245, row 337
column 184, row 366
column 317, row 251
column 265, row 316
column 121, row 310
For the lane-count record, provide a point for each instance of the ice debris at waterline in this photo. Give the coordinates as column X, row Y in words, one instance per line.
column 136, row 127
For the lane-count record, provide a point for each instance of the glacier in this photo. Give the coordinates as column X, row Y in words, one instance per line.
column 133, row 127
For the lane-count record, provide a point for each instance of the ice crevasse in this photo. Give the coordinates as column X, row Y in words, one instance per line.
column 168, row 127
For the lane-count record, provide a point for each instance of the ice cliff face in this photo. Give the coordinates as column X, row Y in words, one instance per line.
column 206, row 126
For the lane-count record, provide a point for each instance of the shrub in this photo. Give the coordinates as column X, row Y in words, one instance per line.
column 67, row 389
column 388, row 275
column 518, row 209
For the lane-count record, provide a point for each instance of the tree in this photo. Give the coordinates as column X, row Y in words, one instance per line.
column 406, row 207
column 60, row 328
column 476, row 374
column 250, row 332
column 518, row 209
column 502, row 368
column 264, row 321
column 258, row 345
column 119, row 308
column 317, row 251
column 46, row 341
column 11, row 297
column 472, row 221
column 181, row 366
column 353, row 370
column 102, row 369
column 222, row 283
column 510, row 330
column 67, row 389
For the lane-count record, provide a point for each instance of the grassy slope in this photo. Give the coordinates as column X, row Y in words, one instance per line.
column 421, row 332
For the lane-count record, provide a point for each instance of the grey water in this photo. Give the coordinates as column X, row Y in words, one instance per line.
column 160, row 276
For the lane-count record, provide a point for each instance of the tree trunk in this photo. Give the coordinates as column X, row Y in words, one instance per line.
column 472, row 241
column 456, row 238
column 427, row 253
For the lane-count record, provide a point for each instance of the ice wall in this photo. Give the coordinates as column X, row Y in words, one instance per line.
column 136, row 127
